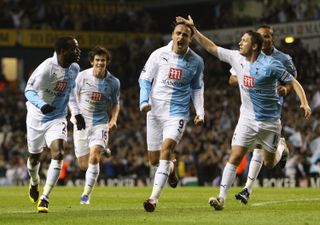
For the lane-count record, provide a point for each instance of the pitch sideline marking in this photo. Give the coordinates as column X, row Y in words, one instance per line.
column 285, row 201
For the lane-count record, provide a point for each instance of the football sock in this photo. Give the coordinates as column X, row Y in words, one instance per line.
column 278, row 153
column 171, row 167
column 33, row 172
column 153, row 170
column 160, row 178
column 228, row 177
column 254, row 168
column 91, row 178
column 52, row 176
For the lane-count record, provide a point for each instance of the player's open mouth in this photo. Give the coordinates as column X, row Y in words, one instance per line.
column 180, row 44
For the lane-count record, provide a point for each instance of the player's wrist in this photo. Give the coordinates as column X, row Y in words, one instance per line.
column 142, row 105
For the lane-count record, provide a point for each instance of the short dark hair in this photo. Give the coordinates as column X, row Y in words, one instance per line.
column 62, row 43
column 255, row 38
column 174, row 24
column 99, row 50
column 265, row 26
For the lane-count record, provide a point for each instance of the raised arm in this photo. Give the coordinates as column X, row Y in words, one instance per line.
column 205, row 42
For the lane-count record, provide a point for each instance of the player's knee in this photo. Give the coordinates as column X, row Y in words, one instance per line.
column 83, row 166
column 57, row 155
column 268, row 164
column 94, row 160
column 154, row 162
column 34, row 159
column 235, row 159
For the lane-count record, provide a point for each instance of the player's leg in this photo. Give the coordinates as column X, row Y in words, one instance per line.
column 56, row 137
column 285, row 155
column 35, row 139
column 228, row 176
column 270, row 142
column 243, row 138
column 161, row 175
column 92, row 174
column 81, row 147
column 254, row 169
column 154, row 157
column 97, row 143
column 33, row 165
column 173, row 130
column 154, row 140
column 98, row 140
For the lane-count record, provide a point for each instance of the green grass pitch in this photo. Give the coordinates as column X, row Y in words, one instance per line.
column 183, row 205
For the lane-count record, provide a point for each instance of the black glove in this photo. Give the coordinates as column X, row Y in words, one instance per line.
column 81, row 124
column 47, row 109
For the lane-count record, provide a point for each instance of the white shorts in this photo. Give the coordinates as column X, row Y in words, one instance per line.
column 250, row 132
column 159, row 129
column 87, row 138
column 41, row 134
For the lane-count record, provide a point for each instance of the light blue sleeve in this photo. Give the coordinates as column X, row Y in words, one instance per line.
column 279, row 71
column 145, row 88
column 290, row 67
column 34, row 98
column 37, row 78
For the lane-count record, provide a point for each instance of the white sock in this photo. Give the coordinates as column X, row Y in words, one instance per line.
column 92, row 175
column 52, row 176
column 254, row 168
column 33, row 172
column 153, row 170
column 278, row 153
column 171, row 167
column 160, row 178
column 228, row 177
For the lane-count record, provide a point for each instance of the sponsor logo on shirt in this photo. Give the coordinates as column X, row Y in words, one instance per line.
column 248, row 81
column 175, row 73
column 61, row 86
column 96, row 96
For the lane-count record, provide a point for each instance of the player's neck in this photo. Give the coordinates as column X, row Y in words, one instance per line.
column 253, row 57
column 62, row 63
column 99, row 74
column 268, row 51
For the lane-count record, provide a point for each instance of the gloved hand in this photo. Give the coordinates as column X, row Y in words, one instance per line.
column 81, row 124
column 45, row 109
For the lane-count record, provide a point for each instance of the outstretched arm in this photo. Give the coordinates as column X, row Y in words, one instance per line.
column 303, row 99
column 206, row 43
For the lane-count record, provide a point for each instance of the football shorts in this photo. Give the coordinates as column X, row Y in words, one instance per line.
column 41, row 134
column 87, row 138
column 250, row 132
column 160, row 128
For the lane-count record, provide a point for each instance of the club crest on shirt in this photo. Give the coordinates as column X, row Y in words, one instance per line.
column 248, row 81
column 175, row 73
column 61, row 86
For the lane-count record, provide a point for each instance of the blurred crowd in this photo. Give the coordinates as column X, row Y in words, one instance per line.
column 143, row 16
column 203, row 150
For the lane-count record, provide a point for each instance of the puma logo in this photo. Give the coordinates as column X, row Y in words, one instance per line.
column 165, row 59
